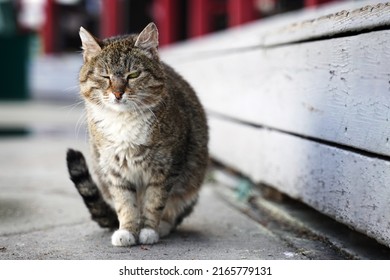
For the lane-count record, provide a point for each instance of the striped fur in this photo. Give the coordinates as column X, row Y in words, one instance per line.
column 100, row 211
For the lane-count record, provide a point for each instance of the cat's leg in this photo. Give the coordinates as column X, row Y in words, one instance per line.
column 125, row 201
column 165, row 227
column 153, row 205
column 178, row 206
column 168, row 218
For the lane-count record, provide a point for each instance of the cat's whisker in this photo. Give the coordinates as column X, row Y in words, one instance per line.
column 80, row 122
column 78, row 102
column 142, row 114
column 149, row 108
column 71, row 88
column 142, row 105
column 71, row 107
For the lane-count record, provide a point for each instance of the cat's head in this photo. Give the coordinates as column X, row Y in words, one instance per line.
column 122, row 73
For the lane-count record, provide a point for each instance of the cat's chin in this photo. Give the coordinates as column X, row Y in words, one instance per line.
column 117, row 107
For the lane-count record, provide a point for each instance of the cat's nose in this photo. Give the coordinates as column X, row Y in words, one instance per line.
column 118, row 95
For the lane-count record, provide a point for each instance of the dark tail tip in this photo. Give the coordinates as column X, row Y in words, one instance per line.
column 77, row 166
column 73, row 156
column 75, row 160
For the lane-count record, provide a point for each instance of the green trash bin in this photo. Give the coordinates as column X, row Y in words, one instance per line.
column 14, row 55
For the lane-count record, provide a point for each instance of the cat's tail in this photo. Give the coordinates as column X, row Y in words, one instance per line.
column 101, row 212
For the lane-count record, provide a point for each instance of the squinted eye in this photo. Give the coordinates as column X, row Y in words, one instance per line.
column 105, row 76
column 133, row 75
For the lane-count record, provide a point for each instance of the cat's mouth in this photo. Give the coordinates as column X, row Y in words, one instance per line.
column 116, row 100
column 116, row 104
column 125, row 104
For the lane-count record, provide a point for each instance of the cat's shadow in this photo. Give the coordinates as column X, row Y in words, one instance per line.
column 186, row 233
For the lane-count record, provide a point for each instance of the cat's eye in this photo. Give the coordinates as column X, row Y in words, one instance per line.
column 105, row 76
column 133, row 75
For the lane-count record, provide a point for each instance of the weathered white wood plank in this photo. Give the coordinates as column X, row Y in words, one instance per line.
column 329, row 20
column 372, row 15
column 347, row 186
column 337, row 90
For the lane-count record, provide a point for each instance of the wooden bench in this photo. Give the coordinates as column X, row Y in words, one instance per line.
column 301, row 102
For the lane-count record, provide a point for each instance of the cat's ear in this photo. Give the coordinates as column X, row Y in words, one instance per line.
column 90, row 44
column 148, row 39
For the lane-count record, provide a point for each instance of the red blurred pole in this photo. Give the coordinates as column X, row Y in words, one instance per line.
column 240, row 11
column 49, row 28
column 111, row 18
column 199, row 17
column 313, row 3
column 166, row 15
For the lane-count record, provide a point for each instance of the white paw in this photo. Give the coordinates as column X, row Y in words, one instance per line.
column 122, row 237
column 148, row 236
column 164, row 229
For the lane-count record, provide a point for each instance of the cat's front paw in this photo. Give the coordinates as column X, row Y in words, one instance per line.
column 123, row 237
column 148, row 236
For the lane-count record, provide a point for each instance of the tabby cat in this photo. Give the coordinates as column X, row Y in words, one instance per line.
column 148, row 139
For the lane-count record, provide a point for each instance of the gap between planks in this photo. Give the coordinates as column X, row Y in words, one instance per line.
column 343, row 147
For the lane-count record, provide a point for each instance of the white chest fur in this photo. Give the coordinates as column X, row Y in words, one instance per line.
column 122, row 133
column 122, row 128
